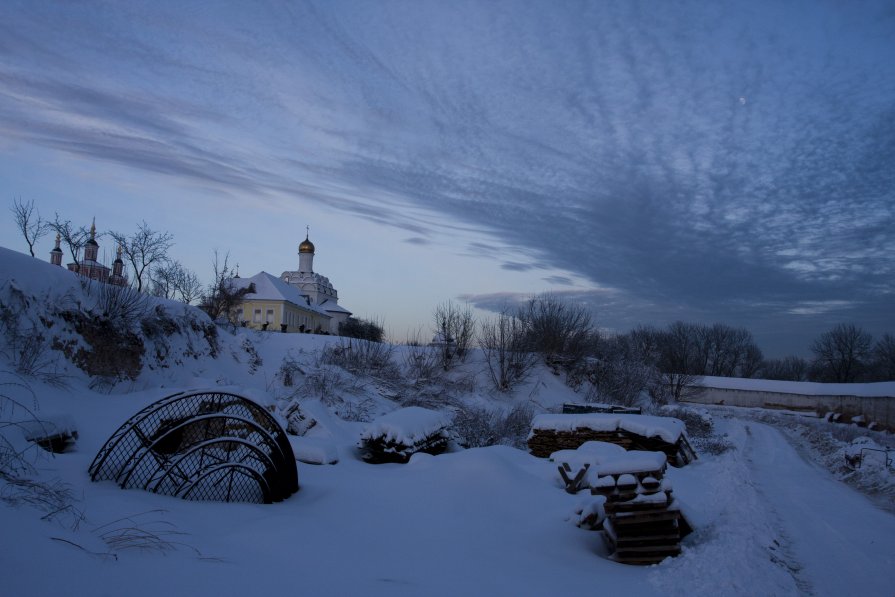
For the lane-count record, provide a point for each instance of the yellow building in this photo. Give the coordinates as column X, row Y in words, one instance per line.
column 271, row 304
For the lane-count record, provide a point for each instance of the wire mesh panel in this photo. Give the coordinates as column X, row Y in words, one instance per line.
column 214, row 446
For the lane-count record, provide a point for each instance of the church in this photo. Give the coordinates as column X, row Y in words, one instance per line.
column 89, row 266
column 298, row 301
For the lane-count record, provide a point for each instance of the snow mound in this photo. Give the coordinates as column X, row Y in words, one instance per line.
column 407, row 426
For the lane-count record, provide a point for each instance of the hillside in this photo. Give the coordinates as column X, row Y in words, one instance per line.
column 486, row 520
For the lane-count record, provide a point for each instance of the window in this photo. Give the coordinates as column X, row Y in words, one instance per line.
column 269, row 317
column 239, row 314
column 256, row 316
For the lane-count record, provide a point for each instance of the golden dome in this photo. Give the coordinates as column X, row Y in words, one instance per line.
column 306, row 246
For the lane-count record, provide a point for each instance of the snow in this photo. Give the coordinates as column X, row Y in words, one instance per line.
column 605, row 458
column 884, row 388
column 406, row 426
column 667, row 428
column 481, row 521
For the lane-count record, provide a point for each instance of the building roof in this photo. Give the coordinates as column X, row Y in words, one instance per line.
column 271, row 288
column 333, row 307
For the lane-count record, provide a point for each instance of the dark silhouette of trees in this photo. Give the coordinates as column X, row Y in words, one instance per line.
column 362, row 329
column 789, row 368
column 560, row 331
column 841, row 354
column 884, row 358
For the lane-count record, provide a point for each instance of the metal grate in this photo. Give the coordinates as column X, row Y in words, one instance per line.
column 214, row 446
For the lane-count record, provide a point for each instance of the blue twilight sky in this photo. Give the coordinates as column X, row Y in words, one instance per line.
column 705, row 161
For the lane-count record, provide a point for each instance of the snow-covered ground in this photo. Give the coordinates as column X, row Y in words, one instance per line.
column 769, row 517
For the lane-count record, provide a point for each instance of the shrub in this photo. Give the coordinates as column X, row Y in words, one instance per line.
column 362, row 329
column 506, row 351
column 362, row 357
column 477, row 426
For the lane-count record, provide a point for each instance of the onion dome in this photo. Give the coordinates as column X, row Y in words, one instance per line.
column 306, row 246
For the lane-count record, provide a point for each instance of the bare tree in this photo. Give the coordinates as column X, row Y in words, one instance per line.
column 143, row 249
column 841, row 354
column 173, row 281
column 884, row 358
column 786, row 369
column 620, row 372
column 726, row 351
column 421, row 361
column 507, row 354
column 73, row 237
column 455, row 327
column 30, row 224
column 221, row 298
column 562, row 332
column 680, row 359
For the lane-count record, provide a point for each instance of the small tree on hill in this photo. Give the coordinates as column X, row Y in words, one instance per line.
column 507, row 354
column 143, row 249
column 29, row 222
column 222, row 297
column 455, row 330
column 173, row 281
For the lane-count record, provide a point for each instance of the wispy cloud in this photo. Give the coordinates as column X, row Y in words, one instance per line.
column 600, row 139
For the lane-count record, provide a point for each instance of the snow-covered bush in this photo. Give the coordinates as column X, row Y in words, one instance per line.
column 422, row 364
column 289, row 371
column 479, row 426
column 22, row 341
column 255, row 360
column 700, row 429
column 362, row 357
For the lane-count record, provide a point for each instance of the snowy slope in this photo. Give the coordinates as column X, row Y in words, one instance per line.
column 485, row 521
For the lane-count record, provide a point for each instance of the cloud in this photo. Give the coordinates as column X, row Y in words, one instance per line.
column 517, row 267
column 599, row 139
column 416, row 240
column 559, row 280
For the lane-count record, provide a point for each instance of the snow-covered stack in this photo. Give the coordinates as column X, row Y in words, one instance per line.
column 53, row 433
column 550, row 433
column 395, row 437
column 642, row 522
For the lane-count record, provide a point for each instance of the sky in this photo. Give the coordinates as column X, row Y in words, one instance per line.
column 655, row 161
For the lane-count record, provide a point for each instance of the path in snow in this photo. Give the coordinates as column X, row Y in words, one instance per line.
column 830, row 533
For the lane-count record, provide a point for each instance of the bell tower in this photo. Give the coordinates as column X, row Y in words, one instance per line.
column 306, row 255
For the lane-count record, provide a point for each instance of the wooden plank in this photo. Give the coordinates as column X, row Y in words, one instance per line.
column 644, row 517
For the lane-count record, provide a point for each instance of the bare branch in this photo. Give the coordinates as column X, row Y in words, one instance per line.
column 143, row 249
column 30, row 224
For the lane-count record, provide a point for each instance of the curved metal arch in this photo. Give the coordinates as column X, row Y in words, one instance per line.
column 260, row 456
column 245, row 470
column 195, row 424
column 120, row 434
column 185, row 448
